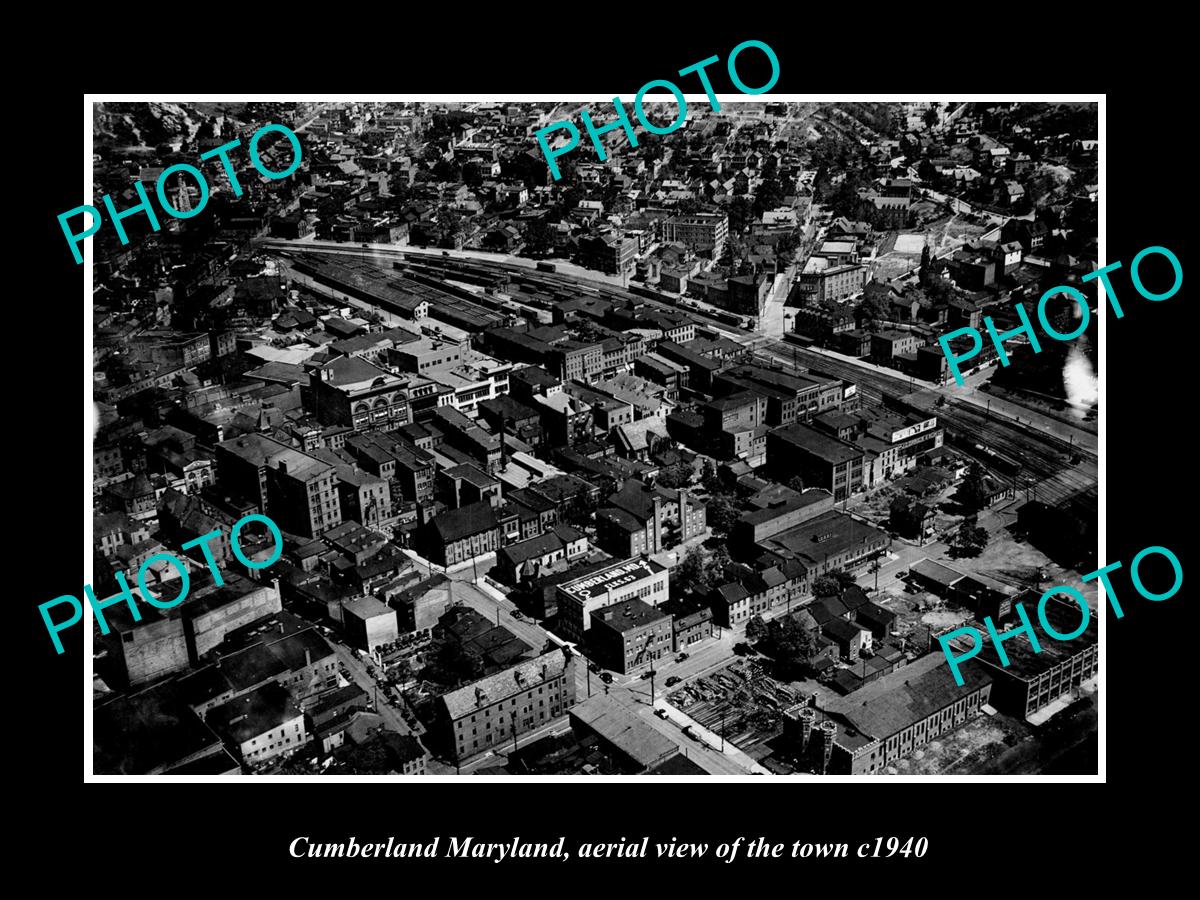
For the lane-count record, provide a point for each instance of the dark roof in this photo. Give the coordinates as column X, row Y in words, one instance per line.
column 876, row 614
column 841, row 630
column 853, row 597
column 250, row 715
column 907, row 696
column 628, row 615
column 677, row 765
column 139, row 733
column 456, row 524
column 818, row 444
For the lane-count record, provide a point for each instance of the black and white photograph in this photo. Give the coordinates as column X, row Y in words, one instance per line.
column 540, row 439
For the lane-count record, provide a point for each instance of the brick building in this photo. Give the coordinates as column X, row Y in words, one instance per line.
column 629, row 636
column 495, row 711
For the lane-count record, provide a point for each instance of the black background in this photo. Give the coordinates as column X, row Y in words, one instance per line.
column 978, row 833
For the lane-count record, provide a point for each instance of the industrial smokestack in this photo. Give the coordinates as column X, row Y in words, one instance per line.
column 503, row 446
column 808, row 718
column 828, row 730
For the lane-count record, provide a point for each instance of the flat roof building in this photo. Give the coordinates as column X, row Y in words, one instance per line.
column 578, row 599
column 896, row 714
column 629, row 636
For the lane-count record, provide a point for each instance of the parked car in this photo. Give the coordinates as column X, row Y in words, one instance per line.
column 661, row 713
column 681, row 657
column 673, row 680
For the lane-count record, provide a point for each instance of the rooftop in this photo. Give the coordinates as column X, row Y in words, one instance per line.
column 628, row 615
column 600, row 583
column 637, row 740
column 907, row 696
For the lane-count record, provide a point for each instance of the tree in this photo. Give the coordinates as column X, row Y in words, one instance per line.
column 970, row 539
column 796, row 483
column 692, row 573
column 826, row 586
column 785, row 249
column 740, row 212
column 770, row 195
column 874, row 309
column 676, row 476
column 720, row 565
column 832, row 583
column 756, row 629
column 789, row 643
column 539, row 239
column 926, row 271
column 721, row 514
column 973, row 492
column 931, row 117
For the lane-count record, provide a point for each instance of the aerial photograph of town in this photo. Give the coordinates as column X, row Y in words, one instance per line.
column 654, row 468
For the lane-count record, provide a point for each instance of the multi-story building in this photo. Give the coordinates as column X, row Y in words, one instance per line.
column 576, row 360
column 465, row 484
column 691, row 622
column 409, row 470
column 819, row 459
column 369, row 623
column 425, row 354
column 261, row 725
column 497, row 710
column 460, row 535
column 826, row 280
column 790, row 397
column 610, row 253
column 644, row 520
column 578, row 599
column 164, row 641
column 355, row 393
column 299, row 492
column 891, row 442
column 1033, row 680
column 703, row 234
column 832, row 540
column 303, row 493
column 629, row 636
column 887, row 345
column 897, row 714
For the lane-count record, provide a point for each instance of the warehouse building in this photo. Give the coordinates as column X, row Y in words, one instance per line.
column 1032, row 681
column 891, row 717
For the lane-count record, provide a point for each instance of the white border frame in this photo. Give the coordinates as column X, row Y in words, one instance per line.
column 89, row 775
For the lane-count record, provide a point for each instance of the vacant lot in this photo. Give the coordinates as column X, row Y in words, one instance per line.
column 965, row 750
column 740, row 701
column 902, row 254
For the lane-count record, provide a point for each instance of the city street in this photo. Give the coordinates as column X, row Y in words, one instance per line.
column 358, row 674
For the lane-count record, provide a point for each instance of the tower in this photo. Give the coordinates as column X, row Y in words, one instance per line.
column 183, row 200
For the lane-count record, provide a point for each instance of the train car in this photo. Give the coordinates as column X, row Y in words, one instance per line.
column 1002, row 464
column 546, row 267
